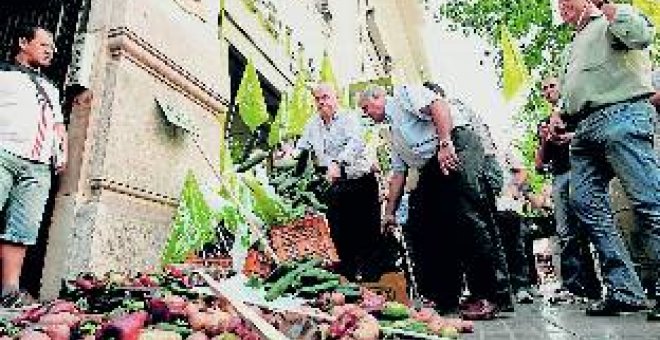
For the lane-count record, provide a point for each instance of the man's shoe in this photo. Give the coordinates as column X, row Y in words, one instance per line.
column 612, row 308
column 17, row 300
column 478, row 310
column 524, row 297
column 654, row 314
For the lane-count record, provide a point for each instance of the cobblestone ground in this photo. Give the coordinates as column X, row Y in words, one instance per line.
column 540, row 322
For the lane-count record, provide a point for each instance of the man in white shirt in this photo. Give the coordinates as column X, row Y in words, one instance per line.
column 336, row 139
column 32, row 138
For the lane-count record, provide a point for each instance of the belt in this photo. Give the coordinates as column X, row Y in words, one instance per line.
column 573, row 120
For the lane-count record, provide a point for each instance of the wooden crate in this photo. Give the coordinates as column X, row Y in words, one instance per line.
column 391, row 285
column 305, row 238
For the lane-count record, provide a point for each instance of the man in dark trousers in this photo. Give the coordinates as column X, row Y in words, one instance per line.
column 336, row 139
column 32, row 139
column 552, row 156
column 448, row 223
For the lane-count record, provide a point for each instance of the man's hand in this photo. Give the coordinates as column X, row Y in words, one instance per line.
column 563, row 138
column 544, row 132
column 334, row 172
column 60, row 168
column 387, row 224
column 609, row 10
column 447, row 158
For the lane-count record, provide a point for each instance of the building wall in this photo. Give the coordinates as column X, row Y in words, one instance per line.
column 127, row 166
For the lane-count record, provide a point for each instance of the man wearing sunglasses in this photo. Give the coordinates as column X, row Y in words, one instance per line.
column 577, row 266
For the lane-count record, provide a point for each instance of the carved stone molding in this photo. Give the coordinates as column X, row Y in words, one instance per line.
column 122, row 42
column 196, row 8
column 129, row 190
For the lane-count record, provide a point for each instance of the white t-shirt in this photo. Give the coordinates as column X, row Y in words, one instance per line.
column 27, row 130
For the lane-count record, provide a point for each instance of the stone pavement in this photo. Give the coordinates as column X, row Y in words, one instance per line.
column 564, row 322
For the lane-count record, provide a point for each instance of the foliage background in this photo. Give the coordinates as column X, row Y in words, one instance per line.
column 530, row 22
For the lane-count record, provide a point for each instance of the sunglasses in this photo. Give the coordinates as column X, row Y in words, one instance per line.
column 548, row 86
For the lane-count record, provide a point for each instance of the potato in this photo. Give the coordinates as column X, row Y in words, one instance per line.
column 197, row 336
column 198, row 321
column 63, row 318
column 157, row 334
column 58, row 332
column 33, row 335
column 218, row 318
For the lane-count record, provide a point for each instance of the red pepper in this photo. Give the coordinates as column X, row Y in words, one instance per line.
column 85, row 284
column 126, row 327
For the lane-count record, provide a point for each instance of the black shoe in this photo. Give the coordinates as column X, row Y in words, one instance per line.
column 506, row 307
column 612, row 308
column 17, row 300
column 654, row 314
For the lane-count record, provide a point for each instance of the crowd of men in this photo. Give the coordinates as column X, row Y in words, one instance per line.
column 601, row 126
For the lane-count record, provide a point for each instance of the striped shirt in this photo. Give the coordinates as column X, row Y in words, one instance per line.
column 26, row 118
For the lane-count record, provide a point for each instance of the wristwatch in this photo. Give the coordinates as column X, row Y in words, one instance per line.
column 444, row 143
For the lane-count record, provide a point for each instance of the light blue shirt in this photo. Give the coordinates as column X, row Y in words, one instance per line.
column 407, row 112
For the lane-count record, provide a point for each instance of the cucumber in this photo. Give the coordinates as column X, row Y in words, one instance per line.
column 320, row 288
column 280, row 287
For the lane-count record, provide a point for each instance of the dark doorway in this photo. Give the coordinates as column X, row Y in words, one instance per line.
column 238, row 133
column 62, row 17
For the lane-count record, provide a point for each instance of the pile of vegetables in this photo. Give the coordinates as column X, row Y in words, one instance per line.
column 301, row 186
column 425, row 321
column 144, row 307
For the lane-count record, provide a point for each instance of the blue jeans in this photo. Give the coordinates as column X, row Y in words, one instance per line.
column 617, row 141
column 577, row 264
column 24, row 189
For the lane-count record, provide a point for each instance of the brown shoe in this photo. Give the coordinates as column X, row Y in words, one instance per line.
column 478, row 310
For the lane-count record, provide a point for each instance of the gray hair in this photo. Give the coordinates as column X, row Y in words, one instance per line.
column 372, row 91
column 324, row 86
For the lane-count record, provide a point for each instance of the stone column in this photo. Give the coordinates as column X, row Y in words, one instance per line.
column 127, row 166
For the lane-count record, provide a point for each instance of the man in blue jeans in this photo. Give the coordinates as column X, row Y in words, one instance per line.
column 606, row 85
column 32, row 139
column 552, row 156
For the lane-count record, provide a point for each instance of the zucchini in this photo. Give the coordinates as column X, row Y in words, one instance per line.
column 320, row 288
column 280, row 287
column 319, row 274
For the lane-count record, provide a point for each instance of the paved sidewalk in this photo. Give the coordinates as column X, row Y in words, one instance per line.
column 564, row 322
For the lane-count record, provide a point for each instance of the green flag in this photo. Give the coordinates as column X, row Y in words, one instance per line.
column 651, row 8
column 514, row 71
column 278, row 127
column 300, row 107
column 327, row 74
column 250, row 98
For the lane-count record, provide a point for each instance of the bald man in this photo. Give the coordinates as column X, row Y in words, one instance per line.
column 336, row 139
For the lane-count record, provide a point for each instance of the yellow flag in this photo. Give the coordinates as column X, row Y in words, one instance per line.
column 514, row 70
column 651, row 8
